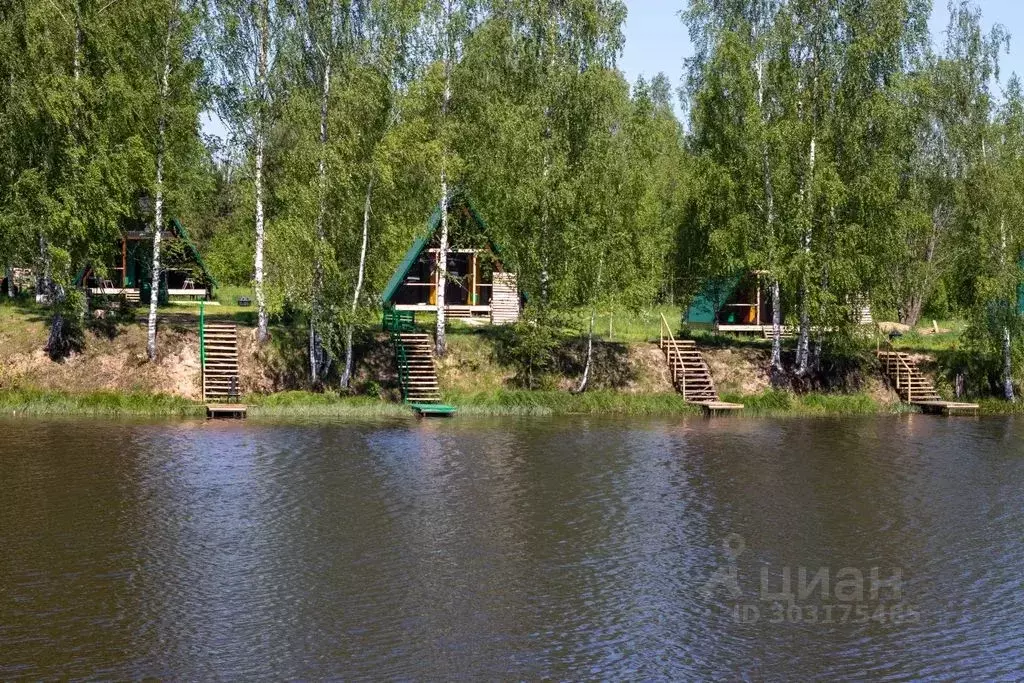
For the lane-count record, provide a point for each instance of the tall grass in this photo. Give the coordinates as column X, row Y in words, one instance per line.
column 308, row 404
column 524, row 402
column 775, row 403
column 106, row 403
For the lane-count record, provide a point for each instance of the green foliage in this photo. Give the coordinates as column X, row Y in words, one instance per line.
column 528, row 346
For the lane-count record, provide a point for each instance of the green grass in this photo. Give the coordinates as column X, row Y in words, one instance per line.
column 308, row 404
column 523, row 402
column 106, row 403
column 615, row 324
column 945, row 341
column 776, row 403
column 224, row 305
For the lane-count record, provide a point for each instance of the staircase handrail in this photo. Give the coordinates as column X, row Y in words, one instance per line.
column 403, row 365
column 202, row 339
column 672, row 349
column 901, row 361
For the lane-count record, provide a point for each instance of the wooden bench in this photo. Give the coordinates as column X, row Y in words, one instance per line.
column 190, row 293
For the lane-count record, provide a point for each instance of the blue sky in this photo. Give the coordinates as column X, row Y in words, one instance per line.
column 657, row 41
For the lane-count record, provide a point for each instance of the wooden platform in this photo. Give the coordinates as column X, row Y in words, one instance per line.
column 947, row 407
column 720, row 407
column 226, row 410
column 433, row 409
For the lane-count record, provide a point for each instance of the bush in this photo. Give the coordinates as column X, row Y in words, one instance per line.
column 527, row 346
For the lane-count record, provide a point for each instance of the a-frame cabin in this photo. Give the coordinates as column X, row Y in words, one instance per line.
column 184, row 274
column 478, row 284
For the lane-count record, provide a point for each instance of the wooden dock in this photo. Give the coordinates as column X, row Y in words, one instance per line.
column 433, row 409
column 690, row 373
column 720, row 407
column 915, row 388
column 226, row 410
column 948, row 408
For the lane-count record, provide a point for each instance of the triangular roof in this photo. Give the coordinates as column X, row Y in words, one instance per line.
column 181, row 233
column 421, row 243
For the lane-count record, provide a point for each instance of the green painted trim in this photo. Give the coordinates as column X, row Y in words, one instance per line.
column 704, row 308
column 433, row 409
column 184, row 234
column 433, row 223
column 410, row 257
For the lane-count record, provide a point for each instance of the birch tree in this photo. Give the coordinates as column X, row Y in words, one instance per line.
column 246, row 37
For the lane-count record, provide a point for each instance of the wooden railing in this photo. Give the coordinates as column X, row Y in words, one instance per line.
column 202, row 334
column 903, row 370
column 666, row 333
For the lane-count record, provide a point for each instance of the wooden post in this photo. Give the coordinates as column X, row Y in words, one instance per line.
column 124, row 262
column 757, row 307
column 472, row 279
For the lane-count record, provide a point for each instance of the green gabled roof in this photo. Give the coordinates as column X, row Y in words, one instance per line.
column 716, row 291
column 183, row 235
column 187, row 238
column 421, row 243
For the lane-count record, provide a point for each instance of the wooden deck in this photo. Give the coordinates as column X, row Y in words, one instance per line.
column 720, row 407
column 690, row 373
column 226, row 410
column 948, row 408
column 433, row 409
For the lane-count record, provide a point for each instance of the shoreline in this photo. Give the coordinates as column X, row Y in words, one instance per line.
column 508, row 403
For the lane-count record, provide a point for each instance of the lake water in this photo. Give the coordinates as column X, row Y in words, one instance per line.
column 513, row 549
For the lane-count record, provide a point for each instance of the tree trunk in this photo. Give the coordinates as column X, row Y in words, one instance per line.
column 316, row 347
column 9, row 274
column 803, row 343
column 53, row 293
column 1007, row 366
column 262, row 332
column 442, row 269
column 910, row 312
column 776, row 367
column 318, row 360
column 1007, row 346
column 769, row 219
column 158, row 214
column 440, row 343
column 346, row 377
column 44, row 283
column 582, row 386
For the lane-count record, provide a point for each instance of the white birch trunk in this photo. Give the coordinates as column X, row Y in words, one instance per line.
column 1007, row 366
column 803, row 343
column 582, row 386
column 440, row 343
column 9, row 274
column 316, row 351
column 318, row 361
column 769, row 195
column 262, row 332
column 442, row 270
column 346, row 377
column 1007, row 345
column 158, row 213
column 776, row 366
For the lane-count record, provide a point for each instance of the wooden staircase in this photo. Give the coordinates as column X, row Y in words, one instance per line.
column 417, row 376
column 220, row 362
column 690, row 373
column 910, row 383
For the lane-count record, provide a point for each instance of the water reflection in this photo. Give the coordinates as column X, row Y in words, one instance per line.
column 502, row 549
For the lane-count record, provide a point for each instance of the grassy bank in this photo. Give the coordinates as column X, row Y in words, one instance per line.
column 491, row 403
column 98, row 403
